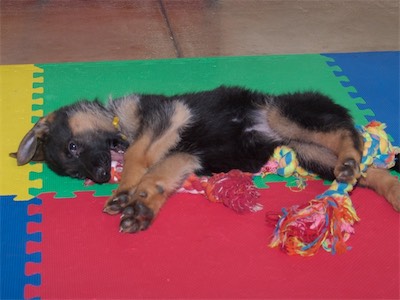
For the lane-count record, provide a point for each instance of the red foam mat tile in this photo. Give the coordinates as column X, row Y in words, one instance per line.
column 32, row 291
column 32, row 268
column 33, row 227
column 33, row 247
column 34, row 209
column 197, row 249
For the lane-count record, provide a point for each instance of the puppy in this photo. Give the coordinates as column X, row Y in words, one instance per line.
column 165, row 139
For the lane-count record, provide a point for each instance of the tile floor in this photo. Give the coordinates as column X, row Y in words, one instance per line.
column 40, row 31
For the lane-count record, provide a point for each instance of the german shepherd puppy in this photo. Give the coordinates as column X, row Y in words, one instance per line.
column 167, row 138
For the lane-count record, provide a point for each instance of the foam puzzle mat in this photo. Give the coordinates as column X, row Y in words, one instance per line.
column 56, row 242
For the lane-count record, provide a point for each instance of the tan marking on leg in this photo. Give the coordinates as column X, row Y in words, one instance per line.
column 181, row 115
column 148, row 151
column 334, row 140
column 171, row 136
column 165, row 178
column 136, row 162
column 284, row 128
column 386, row 185
column 139, row 208
column 340, row 142
column 315, row 153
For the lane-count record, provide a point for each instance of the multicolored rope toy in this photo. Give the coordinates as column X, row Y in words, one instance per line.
column 234, row 189
column 327, row 221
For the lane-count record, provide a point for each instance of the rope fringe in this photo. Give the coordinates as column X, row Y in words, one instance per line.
column 326, row 221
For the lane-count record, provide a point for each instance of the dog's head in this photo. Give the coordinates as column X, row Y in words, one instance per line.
column 74, row 141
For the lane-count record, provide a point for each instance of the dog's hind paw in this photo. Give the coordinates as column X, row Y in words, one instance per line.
column 347, row 171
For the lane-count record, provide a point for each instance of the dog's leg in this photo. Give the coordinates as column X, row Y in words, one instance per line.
column 338, row 150
column 138, row 159
column 326, row 127
column 136, row 163
column 145, row 152
column 385, row 184
column 348, row 147
column 141, row 204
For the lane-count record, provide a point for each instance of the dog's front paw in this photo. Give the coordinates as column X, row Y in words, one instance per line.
column 138, row 207
column 116, row 203
column 136, row 217
column 347, row 171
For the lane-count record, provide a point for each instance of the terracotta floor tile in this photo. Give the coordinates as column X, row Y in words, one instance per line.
column 237, row 27
column 62, row 30
column 56, row 31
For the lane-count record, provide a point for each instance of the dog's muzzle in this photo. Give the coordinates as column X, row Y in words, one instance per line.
column 102, row 175
column 99, row 167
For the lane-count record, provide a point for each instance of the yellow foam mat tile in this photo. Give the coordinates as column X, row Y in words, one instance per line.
column 18, row 85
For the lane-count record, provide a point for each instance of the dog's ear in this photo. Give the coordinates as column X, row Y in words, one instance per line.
column 31, row 146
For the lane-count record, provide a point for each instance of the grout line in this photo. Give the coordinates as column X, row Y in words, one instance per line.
column 178, row 49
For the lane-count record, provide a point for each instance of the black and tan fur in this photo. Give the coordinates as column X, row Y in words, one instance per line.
column 167, row 138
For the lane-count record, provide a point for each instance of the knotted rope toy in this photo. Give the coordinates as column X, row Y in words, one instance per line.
column 327, row 221
column 234, row 189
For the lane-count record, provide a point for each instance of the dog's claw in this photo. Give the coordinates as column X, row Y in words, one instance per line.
column 112, row 209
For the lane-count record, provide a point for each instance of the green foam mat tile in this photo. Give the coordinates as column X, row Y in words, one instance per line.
column 68, row 82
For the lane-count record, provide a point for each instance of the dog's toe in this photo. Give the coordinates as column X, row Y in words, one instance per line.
column 116, row 203
column 136, row 217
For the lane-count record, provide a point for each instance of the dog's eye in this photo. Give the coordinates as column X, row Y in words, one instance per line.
column 78, row 175
column 114, row 143
column 75, row 174
column 118, row 144
column 73, row 149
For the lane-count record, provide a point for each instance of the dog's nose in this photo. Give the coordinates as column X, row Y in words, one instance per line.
column 102, row 175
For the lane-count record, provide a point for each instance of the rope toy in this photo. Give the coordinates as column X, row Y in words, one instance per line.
column 234, row 189
column 327, row 221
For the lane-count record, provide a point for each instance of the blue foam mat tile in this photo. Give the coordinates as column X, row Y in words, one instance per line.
column 375, row 75
column 14, row 236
